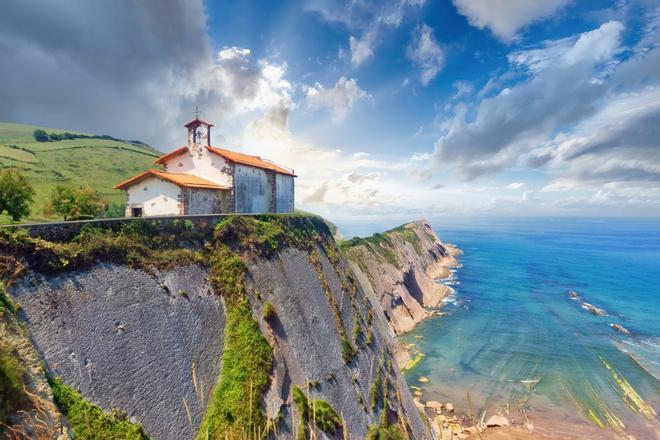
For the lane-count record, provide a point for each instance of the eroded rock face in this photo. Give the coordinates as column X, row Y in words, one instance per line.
column 36, row 416
column 147, row 344
column 150, row 344
column 401, row 272
column 307, row 342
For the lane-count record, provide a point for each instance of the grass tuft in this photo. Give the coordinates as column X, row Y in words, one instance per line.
column 88, row 421
column 317, row 411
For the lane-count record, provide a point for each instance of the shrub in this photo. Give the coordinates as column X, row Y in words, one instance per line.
column 12, row 374
column 74, row 203
column 318, row 410
column 268, row 311
column 40, row 135
column 115, row 210
column 16, row 194
column 347, row 351
column 385, row 432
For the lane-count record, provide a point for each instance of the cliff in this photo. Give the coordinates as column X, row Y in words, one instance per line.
column 242, row 327
column 399, row 268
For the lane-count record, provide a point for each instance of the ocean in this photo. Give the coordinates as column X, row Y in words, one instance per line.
column 513, row 337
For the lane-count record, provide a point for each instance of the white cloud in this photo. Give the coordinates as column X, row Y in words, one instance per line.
column 515, row 185
column 463, row 89
column 499, row 129
column 426, row 53
column 506, row 17
column 361, row 48
column 339, row 99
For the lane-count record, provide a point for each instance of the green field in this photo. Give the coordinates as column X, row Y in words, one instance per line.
column 96, row 163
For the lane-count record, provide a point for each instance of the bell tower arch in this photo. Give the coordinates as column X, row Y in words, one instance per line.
column 199, row 133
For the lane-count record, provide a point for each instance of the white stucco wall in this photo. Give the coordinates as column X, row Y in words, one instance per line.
column 204, row 164
column 154, row 196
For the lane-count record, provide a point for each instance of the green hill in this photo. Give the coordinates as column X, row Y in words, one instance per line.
column 96, row 163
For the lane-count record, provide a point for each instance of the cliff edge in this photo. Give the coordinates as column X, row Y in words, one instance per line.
column 400, row 268
column 238, row 327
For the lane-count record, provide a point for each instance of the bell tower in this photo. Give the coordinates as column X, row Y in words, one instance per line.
column 199, row 133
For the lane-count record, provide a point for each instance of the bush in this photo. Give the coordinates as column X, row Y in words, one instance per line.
column 16, row 194
column 12, row 374
column 70, row 203
column 388, row 432
column 320, row 411
column 41, row 136
column 269, row 311
column 115, row 210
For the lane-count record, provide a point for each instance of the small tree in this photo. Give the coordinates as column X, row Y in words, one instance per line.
column 41, row 136
column 89, row 202
column 114, row 210
column 62, row 202
column 72, row 203
column 16, row 194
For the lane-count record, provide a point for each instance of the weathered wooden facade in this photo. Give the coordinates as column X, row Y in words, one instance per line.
column 202, row 179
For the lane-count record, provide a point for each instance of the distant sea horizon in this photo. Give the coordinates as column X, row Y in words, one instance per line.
column 514, row 337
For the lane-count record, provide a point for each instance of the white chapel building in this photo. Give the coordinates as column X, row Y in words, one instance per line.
column 201, row 179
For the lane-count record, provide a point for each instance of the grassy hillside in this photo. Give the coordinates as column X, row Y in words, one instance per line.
column 96, row 163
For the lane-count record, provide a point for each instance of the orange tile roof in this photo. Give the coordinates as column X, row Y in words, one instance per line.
column 180, row 179
column 254, row 161
column 245, row 159
column 168, row 156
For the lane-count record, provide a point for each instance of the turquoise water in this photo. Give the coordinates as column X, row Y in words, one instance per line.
column 514, row 338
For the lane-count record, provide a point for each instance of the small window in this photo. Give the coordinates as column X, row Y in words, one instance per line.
column 136, row 212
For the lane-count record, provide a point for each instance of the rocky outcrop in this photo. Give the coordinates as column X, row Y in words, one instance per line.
column 308, row 344
column 27, row 398
column 399, row 268
column 147, row 344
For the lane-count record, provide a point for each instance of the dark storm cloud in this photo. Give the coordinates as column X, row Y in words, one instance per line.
column 107, row 66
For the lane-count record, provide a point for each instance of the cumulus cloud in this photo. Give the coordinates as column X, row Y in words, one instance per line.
column 339, row 99
column 506, row 17
column 361, row 48
column 556, row 93
column 426, row 53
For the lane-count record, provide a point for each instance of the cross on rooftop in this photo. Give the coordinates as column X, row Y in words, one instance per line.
column 197, row 112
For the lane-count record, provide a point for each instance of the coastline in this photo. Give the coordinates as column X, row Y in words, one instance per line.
column 407, row 355
column 541, row 420
column 448, row 424
column 409, row 273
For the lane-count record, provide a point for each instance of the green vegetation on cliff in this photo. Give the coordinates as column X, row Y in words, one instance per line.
column 235, row 407
column 95, row 163
column 12, row 380
column 137, row 244
column 316, row 411
column 88, row 421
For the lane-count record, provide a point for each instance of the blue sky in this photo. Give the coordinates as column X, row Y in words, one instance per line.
column 386, row 109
